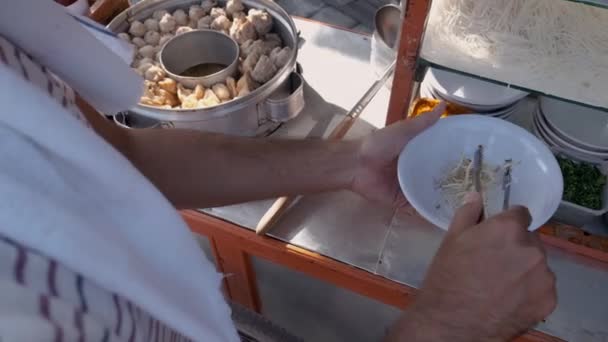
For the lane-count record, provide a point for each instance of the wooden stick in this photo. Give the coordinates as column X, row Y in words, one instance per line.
column 280, row 205
column 271, row 217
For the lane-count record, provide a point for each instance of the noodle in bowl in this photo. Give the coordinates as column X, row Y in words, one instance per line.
column 433, row 166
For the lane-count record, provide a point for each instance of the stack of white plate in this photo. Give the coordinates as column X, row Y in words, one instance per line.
column 573, row 128
column 479, row 96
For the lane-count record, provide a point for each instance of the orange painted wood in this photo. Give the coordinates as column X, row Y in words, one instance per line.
column 412, row 30
column 535, row 336
column 239, row 278
column 548, row 237
column 312, row 264
column 302, row 260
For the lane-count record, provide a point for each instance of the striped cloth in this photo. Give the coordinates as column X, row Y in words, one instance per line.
column 41, row 300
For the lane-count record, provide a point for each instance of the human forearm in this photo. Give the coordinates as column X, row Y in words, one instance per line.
column 196, row 170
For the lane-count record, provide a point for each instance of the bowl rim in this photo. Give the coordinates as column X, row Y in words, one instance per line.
column 476, row 118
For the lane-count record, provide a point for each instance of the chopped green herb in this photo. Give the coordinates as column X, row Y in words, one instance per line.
column 583, row 183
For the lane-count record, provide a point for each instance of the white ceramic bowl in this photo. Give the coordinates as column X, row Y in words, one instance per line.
column 586, row 128
column 471, row 92
column 537, row 181
column 553, row 137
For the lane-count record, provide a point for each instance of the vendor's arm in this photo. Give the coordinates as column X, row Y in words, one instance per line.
column 197, row 170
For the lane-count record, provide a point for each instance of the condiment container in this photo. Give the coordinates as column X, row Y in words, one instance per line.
column 574, row 214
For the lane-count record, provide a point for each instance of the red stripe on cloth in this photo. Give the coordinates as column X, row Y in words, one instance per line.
column 50, row 278
column 44, row 307
column 3, row 56
column 18, row 55
column 133, row 322
column 118, row 315
column 19, row 266
column 80, row 288
column 64, row 100
column 150, row 330
column 106, row 335
column 79, row 324
column 49, row 82
column 58, row 334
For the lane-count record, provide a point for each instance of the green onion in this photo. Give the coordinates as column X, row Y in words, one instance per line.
column 583, row 183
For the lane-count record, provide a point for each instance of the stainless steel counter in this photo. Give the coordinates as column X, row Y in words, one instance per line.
column 395, row 245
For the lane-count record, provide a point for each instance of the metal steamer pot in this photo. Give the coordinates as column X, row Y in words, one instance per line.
column 259, row 112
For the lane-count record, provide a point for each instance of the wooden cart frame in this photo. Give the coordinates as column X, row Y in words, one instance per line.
column 233, row 247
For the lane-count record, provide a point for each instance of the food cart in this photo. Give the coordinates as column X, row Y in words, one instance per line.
column 378, row 252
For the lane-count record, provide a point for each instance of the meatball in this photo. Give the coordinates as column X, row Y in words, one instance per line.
column 158, row 15
column 137, row 29
column 181, row 18
column 207, row 5
column 148, row 51
column 167, row 23
column 234, row 6
column 152, row 38
column 280, row 57
column 217, row 11
column 242, row 30
column 264, row 70
column 139, row 42
column 151, row 24
column 221, row 23
column 261, row 19
column 196, row 12
column 204, row 22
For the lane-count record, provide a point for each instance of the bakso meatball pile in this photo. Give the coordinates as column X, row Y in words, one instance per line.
column 262, row 52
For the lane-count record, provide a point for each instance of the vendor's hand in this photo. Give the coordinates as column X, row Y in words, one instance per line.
column 376, row 176
column 488, row 282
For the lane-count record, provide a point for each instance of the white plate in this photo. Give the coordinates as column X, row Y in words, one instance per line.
column 564, row 137
column 472, row 91
column 425, row 91
column 585, row 127
column 557, row 140
column 503, row 112
column 539, row 133
column 486, row 110
column 454, row 136
column 474, row 107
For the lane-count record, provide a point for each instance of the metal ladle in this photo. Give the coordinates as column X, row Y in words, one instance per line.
column 387, row 28
column 387, row 23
